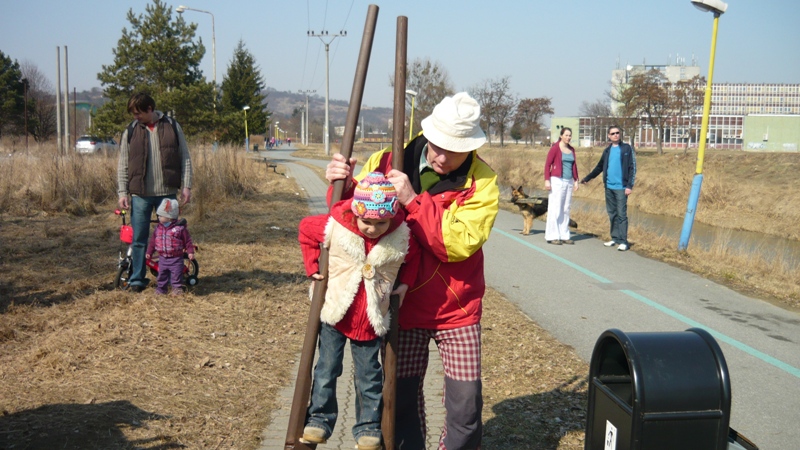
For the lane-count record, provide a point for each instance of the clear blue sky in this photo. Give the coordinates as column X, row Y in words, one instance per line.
column 563, row 49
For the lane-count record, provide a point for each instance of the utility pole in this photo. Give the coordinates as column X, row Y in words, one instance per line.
column 66, row 101
column 308, row 124
column 321, row 35
column 58, row 100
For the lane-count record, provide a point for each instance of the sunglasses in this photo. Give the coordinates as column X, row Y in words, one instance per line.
column 612, row 134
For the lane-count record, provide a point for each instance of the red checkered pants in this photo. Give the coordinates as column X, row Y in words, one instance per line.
column 460, row 350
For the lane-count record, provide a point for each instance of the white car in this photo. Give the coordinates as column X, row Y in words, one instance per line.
column 93, row 144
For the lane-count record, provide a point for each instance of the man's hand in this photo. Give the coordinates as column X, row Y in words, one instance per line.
column 186, row 195
column 339, row 169
column 628, row 191
column 401, row 292
column 405, row 192
column 123, row 202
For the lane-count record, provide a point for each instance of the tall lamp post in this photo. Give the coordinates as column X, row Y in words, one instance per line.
column 180, row 9
column 275, row 133
column 326, row 138
column 413, row 95
column 717, row 7
column 246, row 134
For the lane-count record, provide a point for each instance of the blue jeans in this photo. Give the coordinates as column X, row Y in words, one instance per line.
column 617, row 208
column 368, row 381
column 141, row 211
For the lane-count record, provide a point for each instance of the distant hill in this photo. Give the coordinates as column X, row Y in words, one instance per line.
column 282, row 104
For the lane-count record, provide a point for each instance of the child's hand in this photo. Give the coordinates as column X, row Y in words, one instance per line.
column 191, row 256
column 401, row 292
column 317, row 276
column 147, row 256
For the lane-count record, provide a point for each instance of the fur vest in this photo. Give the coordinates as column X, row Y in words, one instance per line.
column 349, row 266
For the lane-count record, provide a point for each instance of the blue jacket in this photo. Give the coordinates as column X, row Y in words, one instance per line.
column 628, row 161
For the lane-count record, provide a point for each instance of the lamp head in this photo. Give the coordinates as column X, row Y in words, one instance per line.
column 715, row 6
column 410, row 92
column 181, row 9
column 245, row 107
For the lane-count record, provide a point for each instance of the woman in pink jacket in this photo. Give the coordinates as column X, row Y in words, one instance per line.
column 561, row 179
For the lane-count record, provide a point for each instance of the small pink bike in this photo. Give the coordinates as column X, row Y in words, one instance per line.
column 125, row 264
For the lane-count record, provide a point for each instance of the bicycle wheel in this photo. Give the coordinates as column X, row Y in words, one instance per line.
column 191, row 272
column 123, row 277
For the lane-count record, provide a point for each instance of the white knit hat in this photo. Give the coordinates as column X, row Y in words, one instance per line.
column 455, row 124
column 168, row 208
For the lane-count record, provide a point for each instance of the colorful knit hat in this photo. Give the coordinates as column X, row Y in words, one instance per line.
column 374, row 198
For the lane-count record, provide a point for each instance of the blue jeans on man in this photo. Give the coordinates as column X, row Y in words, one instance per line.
column 617, row 208
column 368, row 380
column 141, row 212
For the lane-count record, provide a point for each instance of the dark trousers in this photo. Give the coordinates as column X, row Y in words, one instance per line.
column 170, row 271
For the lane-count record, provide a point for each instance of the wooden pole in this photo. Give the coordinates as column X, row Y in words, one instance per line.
column 302, row 388
column 390, row 357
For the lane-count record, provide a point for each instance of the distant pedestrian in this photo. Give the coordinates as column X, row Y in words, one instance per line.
column 618, row 164
column 561, row 179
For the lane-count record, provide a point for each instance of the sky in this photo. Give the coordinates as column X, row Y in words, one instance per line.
column 564, row 50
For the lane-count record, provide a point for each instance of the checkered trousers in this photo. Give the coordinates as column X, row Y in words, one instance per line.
column 460, row 351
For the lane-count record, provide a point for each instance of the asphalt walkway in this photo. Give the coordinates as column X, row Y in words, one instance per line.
column 274, row 437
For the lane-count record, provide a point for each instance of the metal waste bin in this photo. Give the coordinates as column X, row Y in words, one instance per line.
column 658, row 391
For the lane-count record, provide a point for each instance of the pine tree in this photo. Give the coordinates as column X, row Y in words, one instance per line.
column 158, row 55
column 12, row 97
column 242, row 86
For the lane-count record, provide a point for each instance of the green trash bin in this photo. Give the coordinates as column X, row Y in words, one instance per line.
column 255, row 147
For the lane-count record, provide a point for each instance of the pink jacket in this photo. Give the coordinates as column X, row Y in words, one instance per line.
column 553, row 165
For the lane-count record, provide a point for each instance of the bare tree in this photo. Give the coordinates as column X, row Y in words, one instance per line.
column 687, row 101
column 498, row 105
column 42, row 114
column 648, row 95
column 598, row 108
column 430, row 80
column 530, row 112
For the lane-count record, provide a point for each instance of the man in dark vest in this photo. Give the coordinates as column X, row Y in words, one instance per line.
column 154, row 164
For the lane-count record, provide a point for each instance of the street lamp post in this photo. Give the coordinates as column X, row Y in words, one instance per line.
column 413, row 95
column 308, row 124
column 275, row 133
column 717, row 7
column 180, row 9
column 326, row 138
column 246, row 134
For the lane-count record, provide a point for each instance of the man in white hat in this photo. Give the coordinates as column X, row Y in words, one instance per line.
column 451, row 199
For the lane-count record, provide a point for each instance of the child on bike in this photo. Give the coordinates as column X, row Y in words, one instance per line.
column 170, row 239
column 367, row 241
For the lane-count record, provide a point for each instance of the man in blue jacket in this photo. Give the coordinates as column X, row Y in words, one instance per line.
column 618, row 164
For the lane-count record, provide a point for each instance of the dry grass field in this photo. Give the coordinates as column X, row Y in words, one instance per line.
column 84, row 366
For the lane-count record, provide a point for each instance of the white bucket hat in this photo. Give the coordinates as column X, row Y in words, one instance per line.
column 455, row 124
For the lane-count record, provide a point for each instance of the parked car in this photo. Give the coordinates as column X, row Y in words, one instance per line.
column 94, row 144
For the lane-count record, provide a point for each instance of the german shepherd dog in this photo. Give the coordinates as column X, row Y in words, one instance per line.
column 531, row 208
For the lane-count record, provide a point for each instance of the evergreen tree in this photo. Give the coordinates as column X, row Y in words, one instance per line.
column 12, row 97
column 158, row 55
column 242, row 86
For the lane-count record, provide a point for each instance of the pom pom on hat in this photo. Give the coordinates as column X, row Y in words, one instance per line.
column 168, row 208
column 374, row 198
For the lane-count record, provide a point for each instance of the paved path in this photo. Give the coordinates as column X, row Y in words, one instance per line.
column 274, row 437
column 577, row 292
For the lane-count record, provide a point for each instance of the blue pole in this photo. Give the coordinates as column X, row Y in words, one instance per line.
column 691, row 208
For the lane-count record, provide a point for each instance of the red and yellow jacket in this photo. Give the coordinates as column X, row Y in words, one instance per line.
column 451, row 221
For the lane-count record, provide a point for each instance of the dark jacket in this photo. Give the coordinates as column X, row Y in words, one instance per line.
column 170, row 155
column 628, row 161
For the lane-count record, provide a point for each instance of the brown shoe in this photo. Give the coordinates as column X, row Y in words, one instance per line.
column 568, row 242
column 314, row 435
column 556, row 242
